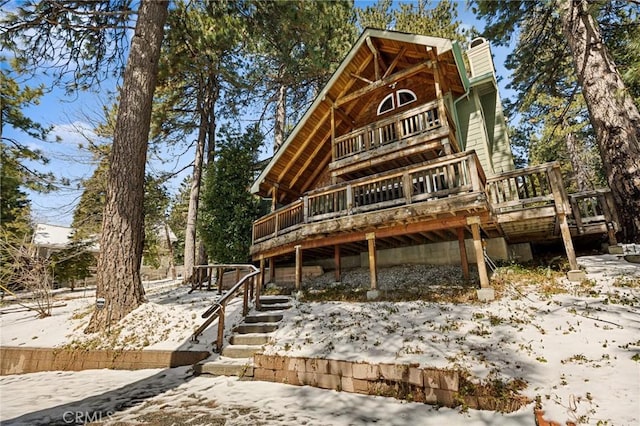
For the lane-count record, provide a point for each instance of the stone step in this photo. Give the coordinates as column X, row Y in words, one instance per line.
column 250, row 339
column 275, row 307
column 263, row 318
column 242, row 367
column 259, row 327
column 274, row 300
column 240, row 351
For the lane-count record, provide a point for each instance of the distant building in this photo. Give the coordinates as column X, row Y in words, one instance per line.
column 48, row 239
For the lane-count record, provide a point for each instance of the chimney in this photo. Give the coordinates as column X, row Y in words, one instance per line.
column 480, row 60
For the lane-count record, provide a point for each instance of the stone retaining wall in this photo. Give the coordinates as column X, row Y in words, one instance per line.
column 19, row 360
column 429, row 385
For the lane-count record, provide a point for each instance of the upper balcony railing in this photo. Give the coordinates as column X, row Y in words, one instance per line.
column 413, row 122
column 451, row 175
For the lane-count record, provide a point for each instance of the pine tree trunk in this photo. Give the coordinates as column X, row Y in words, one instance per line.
column 583, row 182
column 194, row 200
column 121, row 242
column 614, row 116
column 280, row 118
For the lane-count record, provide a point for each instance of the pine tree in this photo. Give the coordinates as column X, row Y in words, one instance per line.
column 563, row 37
column 229, row 209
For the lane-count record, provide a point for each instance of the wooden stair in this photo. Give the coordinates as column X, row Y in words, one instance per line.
column 248, row 338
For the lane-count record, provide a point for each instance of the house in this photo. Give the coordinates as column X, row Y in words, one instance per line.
column 48, row 239
column 404, row 157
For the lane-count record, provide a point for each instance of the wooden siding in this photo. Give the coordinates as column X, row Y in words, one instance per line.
column 480, row 60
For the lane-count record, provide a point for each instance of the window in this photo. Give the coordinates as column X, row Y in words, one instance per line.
column 405, row 96
column 386, row 104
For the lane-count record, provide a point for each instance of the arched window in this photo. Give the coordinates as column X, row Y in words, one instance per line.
column 405, row 96
column 386, row 105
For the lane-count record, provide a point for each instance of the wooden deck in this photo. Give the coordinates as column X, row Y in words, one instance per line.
column 430, row 202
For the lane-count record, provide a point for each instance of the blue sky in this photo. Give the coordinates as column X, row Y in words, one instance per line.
column 71, row 119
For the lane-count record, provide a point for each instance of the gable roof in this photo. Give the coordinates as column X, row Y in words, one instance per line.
column 306, row 153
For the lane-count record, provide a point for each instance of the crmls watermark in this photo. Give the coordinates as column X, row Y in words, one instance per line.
column 84, row 417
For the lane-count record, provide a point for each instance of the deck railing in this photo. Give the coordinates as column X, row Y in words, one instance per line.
column 522, row 188
column 455, row 174
column 593, row 207
column 217, row 309
column 400, row 126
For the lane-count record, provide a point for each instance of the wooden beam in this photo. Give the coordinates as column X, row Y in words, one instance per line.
column 562, row 208
column 464, row 261
column 361, row 78
column 373, row 267
column 395, row 61
column 319, row 168
column 376, row 57
column 385, row 81
column 298, row 267
column 272, row 269
column 310, row 160
column 474, row 222
column 309, row 140
column 346, row 117
column 337, row 262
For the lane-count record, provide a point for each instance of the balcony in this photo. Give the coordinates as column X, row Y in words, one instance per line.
column 431, row 185
column 375, row 145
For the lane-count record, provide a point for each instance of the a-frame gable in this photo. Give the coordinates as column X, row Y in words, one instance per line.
column 377, row 59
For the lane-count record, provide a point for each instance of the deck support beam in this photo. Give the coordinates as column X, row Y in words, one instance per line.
column 373, row 266
column 474, row 222
column 464, row 261
column 562, row 209
column 298, row 267
column 272, row 269
column 337, row 263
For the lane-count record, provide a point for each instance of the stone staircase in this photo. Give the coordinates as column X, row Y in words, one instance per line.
column 248, row 338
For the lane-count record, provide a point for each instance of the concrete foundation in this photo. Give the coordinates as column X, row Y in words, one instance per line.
column 486, row 294
column 576, row 275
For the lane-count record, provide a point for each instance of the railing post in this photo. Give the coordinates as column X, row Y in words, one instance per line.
column 220, row 336
column 407, row 186
column 349, row 195
column 245, row 298
column 276, row 224
column 472, row 167
column 305, row 209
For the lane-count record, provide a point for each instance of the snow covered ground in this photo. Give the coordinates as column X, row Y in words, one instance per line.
column 577, row 345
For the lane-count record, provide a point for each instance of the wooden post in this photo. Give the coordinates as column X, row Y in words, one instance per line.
column 298, row 267
column 272, row 269
column 220, row 336
column 464, row 261
column 245, row 297
column 562, row 209
column 337, row 263
column 260, row 284
column 219, row 279
column 373, row 267
column 274, row 198
column 477, row 245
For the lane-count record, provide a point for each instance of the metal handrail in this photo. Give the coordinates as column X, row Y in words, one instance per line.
column 217, row 310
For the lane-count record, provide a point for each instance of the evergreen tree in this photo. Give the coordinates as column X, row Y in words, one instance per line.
column 564, row 40
column 82, row 43
column 416, row 17
column 293, row 48
column 200, row 64
column 229, row 209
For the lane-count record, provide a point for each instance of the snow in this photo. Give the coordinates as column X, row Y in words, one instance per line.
column 573, row 343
